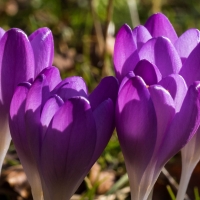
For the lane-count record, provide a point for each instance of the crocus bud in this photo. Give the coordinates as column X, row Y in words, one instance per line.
column 155, row 53
column 19, row 61
column 148, row 126
column 62, row 129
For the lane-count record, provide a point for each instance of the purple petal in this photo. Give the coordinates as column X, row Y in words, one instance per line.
column 19, row 137
column 2, row 32
column 17, row 123
column 37, row 96
column 187, row 42
column 43, row 48
column 107, row 88
column 183, row 126
column 164, row 107
column 51, row 106
column 16, row 62
column 149, row 72
column 126, row 78
column 165, row 110
column 161, row 53
column 190, row 153
column 71, row 87
column 68, row 144
column 191, row 67
column 177, row 87
column 136, row 124
column 159, row 25
column 53, row 76
column 104, row 118
column 141, row 35
column 125, row 54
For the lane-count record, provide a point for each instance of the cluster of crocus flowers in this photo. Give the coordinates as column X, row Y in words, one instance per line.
column 158, row 105
column 59, row 131
column 21, row 59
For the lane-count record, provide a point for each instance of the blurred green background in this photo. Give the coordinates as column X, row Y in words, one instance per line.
column 79, row 27
column 84, row 34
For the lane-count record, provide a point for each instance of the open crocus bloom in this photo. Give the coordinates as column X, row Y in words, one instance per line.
column 21, row 58
column 148, row 121
column 155, row 53
column 59, row 130
column 158, row 43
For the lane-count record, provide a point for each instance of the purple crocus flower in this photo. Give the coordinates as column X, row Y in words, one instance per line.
column 59, row 130
column 148, row 122
column 157, row 71
column 21, row 59
column 188, row 48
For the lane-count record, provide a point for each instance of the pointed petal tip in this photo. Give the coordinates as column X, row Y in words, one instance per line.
column 136, row 79
column 79, row 100
column 40, row 78
column 124, row 57
column 17, row 32
column 190, row 68
column 50, row 70
column 107, row 88
column 177, row 87
column 124, row 32
column 127, row 91
column 187, row 42
column 139, row 80
column 124, row 27
column 70, row 87
column 58, row 98
column 25, row 84
column 196, row 85
column 51, row 106
column 2, row 32
column 141, row 35
column 111, row 79
column 45, row 31
column 129, row 75
column 158, row 87
column 53, row 76
column 148, row 71
column 159, row 25
column 43, row 47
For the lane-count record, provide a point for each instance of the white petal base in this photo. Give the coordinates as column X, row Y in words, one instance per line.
column 4, row 142
column 187, row 169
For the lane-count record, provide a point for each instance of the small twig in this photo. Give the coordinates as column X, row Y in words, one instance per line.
column 172, row 181
column 108, row 17
column 132, row 5
column 88, row 182
column 107, row 22
column 100, row 34
column 156, row 6
column 171, row 192
column 98, row 29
